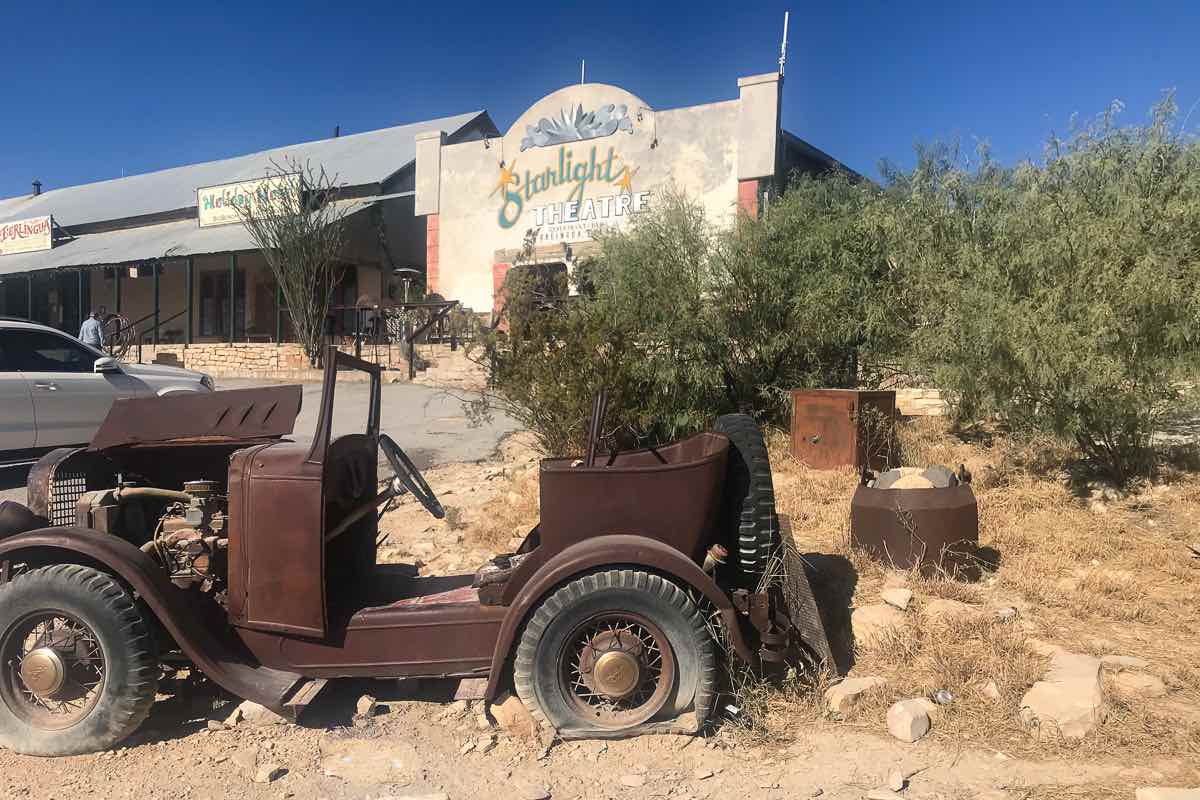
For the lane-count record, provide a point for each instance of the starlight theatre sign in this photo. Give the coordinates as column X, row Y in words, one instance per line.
column 26, row 235
column 218, row 205
column 565, row 188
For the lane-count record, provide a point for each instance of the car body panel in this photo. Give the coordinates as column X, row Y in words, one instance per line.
column 68, row 399
column 18, row 429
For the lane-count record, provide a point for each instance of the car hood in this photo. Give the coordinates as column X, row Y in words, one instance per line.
column 161, row 371
column 265, row 412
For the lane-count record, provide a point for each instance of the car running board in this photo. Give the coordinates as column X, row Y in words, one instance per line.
column 300, row 697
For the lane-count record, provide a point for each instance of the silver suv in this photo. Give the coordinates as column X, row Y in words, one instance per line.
column 55, row 390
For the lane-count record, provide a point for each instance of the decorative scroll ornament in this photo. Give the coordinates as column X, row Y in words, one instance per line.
column 577, row 126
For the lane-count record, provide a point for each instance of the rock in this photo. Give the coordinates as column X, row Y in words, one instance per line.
column 1069, row 697
column 1006, row 614
column 842, row 697
column 944, row 609
column 883, row 794
column 216, row 725
column 268, row 773
column 633, row 781
column 869, row 623
column 990, row 690
column 466, row 748
column 485, row 744
column 1139, row 683
column 369, row 761
column 899, row 598
column 366, row 706
column 534, row 791
column 816, row 792
column 1118, row 663
column 512, row 715
column 254, row 714
column 703, row 773
column 896, row 781
column 907, row 720
column 247, row 760
column 912, row 482
column 1165, row 793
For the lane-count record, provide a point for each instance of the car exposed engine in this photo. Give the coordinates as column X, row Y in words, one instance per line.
column 184, row 531
column 191, row 539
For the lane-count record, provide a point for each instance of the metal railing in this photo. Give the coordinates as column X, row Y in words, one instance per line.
column 404, row 324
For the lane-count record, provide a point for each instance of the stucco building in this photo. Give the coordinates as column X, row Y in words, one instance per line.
column 452, row 197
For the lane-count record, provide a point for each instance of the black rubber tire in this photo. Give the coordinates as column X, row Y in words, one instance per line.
column 748, row 507
column 130, row 655
column 537, row 662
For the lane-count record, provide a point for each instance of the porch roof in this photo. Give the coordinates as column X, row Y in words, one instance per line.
column 164, row 241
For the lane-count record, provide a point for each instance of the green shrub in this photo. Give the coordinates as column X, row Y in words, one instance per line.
column 683, row 322
column 1060, row 297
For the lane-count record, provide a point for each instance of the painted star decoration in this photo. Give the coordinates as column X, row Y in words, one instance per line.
column 507, row 177
column 625, row 180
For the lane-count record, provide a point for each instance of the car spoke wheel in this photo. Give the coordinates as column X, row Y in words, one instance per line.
column 613, row 652
column 78, row 666
column 618, row 669
column 53, row 670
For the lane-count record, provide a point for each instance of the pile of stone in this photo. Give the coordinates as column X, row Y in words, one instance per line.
column 937, row 476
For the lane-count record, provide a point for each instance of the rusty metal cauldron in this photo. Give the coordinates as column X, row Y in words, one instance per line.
column 932, row 529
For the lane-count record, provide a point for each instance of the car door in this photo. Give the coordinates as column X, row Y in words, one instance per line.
column 17, row 430
column 69, row 398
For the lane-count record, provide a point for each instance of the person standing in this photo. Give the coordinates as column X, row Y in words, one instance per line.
column 91, row 331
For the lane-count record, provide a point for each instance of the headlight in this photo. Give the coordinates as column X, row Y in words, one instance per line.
column 207, row 382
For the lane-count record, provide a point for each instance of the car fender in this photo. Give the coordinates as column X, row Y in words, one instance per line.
column 618, row 551
column 173, row 607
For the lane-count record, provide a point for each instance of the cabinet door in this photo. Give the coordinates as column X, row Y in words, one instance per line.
column 17, row 431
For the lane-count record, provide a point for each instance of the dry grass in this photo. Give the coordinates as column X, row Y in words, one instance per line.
column 509, row 515
column 1117, row 581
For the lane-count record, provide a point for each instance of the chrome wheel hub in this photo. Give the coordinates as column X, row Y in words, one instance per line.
column 43, row 672
column 616, row 673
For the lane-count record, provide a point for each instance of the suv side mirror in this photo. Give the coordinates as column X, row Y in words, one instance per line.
column 106, row 365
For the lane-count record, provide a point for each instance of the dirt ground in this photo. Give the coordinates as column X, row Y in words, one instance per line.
column 1111, row 577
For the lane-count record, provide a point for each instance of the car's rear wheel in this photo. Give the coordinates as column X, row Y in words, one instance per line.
column 613, row 651
column 78, row 666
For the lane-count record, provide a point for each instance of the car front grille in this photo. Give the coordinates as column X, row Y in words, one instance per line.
column 65, row 490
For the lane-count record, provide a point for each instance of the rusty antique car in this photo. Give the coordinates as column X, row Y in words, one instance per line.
column 192, row 532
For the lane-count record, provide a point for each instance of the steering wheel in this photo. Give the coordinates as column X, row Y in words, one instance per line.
column 409, row 477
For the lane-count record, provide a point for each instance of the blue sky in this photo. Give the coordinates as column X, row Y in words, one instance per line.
column 97, row 89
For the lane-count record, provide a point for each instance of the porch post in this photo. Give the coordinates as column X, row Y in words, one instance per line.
column 278, row 313
column 117, row 289
column 157, row 269
column 79, row 287
column 232, row 295
column 187, row 337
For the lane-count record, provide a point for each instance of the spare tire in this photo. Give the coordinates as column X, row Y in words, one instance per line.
column 748, row 505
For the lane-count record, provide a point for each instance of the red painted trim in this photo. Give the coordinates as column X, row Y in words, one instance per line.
column 433, row 272
column 748, row 197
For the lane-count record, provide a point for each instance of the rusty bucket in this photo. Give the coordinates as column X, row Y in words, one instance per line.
column 930, row 529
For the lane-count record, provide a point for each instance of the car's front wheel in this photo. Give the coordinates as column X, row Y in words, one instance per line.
column 613, row 651
column 78, row 666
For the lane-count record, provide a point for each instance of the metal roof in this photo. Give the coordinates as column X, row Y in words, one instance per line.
column 165, row 240
column 356, row 159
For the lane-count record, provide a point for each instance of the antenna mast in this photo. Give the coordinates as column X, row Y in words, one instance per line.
column 783, row 46
column 582, row 70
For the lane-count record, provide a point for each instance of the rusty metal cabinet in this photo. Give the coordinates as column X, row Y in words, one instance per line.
column 843, row 427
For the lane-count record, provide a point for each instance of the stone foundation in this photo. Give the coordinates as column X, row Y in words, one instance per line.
column 266, row 360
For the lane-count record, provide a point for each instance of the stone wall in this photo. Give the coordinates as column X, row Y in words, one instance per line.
column 920, row 402
column 265, row 360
